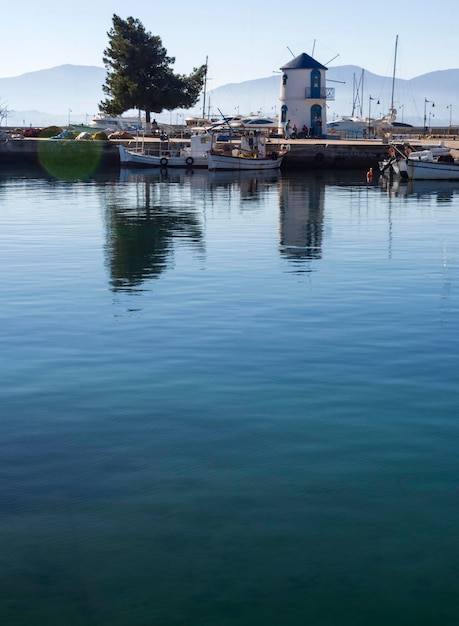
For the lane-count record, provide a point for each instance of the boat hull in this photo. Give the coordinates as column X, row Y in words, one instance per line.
column 427, row 170
column 131, row 158
column 230, row 163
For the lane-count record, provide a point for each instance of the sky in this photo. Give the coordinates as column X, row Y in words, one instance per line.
column 242, row 40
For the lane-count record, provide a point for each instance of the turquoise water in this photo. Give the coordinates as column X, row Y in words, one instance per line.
column 228, row 400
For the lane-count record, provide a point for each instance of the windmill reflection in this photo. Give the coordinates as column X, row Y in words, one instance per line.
column 301, row 216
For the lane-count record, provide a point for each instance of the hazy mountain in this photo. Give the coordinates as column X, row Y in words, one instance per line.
column 53, row 95
column 72, row 92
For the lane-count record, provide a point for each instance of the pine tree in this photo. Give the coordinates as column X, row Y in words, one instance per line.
column 140, row 76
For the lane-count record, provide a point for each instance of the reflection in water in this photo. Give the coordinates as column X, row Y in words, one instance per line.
column 142, row 224
column 157, row 465
column 156, row 206
column 440, row 190
column 301, row 214
column 249, row 185
column 246, row 184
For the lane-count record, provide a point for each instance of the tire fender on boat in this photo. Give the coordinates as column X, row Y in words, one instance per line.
column 163, row 161
column 319, row 157
column 189, row 161
column 274, row 155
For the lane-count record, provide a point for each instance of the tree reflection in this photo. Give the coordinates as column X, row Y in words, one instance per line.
column 143, row 230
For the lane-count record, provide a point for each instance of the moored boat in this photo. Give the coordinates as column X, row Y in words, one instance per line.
column 109, row 124
column 194, row 155
column 254, row 151
column 395, row 163
column 425, row 166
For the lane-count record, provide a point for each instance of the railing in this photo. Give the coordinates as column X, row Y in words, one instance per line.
column 326, row 93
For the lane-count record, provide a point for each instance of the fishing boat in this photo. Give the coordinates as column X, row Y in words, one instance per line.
column 253, row 150
column 425, row 166
column 192, row 156
column 398, row 153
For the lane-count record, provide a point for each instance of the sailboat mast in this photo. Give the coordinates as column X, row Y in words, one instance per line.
column 204, row 93
column 357, row 100
column 353, row 97
column 393, row 74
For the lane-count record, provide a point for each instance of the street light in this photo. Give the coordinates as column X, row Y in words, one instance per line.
column 369, row 114
column 425, row 112
column 450, row 107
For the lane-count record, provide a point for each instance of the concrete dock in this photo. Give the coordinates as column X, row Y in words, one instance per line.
column 307, row 154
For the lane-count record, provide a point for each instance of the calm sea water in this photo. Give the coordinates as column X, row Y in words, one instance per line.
column 228, row 400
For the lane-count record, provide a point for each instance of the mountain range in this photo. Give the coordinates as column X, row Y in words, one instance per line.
column 72, row 93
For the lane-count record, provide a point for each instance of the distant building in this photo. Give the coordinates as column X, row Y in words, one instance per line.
column 303, row 95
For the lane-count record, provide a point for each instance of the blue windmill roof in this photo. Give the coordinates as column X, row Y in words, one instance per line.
column 303, row 62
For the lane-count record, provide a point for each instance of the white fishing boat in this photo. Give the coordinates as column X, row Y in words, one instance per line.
column 252, row 151
column 398, row 153
column 194, row 155
column 425, row 166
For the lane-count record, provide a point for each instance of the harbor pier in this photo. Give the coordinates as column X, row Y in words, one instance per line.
column 316, row 153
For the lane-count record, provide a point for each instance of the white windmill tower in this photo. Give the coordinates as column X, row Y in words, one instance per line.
column 303, row 95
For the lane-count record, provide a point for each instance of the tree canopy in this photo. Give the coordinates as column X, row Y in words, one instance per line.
column 139, row 73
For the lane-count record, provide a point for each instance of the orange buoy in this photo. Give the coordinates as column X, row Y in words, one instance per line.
column 370, row 175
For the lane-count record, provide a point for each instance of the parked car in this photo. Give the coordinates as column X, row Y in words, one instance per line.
column 31, row 132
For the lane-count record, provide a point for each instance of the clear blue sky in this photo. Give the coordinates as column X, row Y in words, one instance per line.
column 243, row 40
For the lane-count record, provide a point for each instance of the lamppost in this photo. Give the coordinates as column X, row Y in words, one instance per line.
column 425, row 112
column 430, row 115
column 402, row 106
column 369, row 113
column 450, row 107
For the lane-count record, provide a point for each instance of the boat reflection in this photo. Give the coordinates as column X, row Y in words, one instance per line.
column 155, row 175
column 247, row 184
column 440, row 191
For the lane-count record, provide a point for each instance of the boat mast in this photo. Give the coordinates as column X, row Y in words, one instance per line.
column 204, row 93
column 353, row 96
column 361, row 102
column 357, row 100
column 393, row 75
